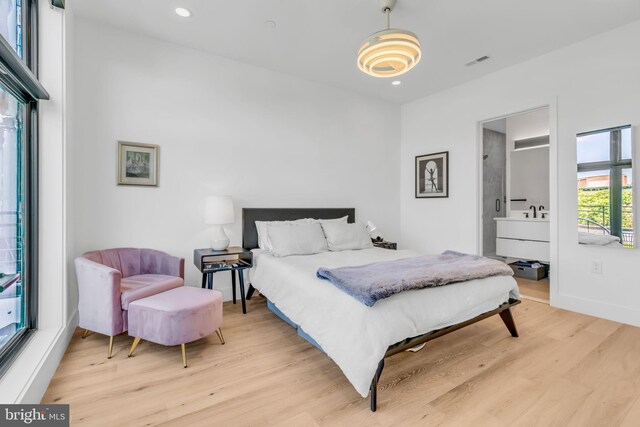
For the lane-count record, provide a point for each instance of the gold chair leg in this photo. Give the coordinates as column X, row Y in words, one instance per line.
column 219, row 332
column 136, row 341
column 184, row 354
column 110, row 348
column 85, row 333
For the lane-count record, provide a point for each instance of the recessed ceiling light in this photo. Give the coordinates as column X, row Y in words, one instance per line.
column 181, row 11
column 396, row 82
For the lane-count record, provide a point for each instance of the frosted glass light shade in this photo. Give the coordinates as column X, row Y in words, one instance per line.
column 389, row 53
column 218, row 210
column 371, row 227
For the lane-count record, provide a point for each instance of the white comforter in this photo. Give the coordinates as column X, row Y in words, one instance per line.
column 355, row 336
column 599, row 240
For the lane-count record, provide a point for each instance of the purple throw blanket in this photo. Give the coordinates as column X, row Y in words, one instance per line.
column 373, row 282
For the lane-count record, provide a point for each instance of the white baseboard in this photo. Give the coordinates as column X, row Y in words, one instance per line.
column 630, row 316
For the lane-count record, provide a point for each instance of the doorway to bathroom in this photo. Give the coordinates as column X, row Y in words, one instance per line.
column 515, row 198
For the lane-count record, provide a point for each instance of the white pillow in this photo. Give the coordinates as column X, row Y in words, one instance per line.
column 342, row 220
column 341, row 237
column 597, row 239
column 296, row 239
column 261, row 228
column 263, row 237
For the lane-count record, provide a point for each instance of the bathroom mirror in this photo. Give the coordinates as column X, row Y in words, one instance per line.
column 605, row 188
column 529, row 175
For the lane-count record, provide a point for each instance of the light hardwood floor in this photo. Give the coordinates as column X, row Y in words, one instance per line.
column 566, row 369
column 536, row 290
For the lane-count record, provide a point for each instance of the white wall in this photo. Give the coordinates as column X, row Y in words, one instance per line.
column 223, row 127
column 593, row 84
column 69, row 156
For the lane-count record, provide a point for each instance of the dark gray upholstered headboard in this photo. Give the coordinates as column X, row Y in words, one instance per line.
column 251, row 215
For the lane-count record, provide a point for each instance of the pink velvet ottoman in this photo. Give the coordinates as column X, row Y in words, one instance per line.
column 176, row 316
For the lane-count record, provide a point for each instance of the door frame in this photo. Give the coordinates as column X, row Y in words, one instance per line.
column 552, row 105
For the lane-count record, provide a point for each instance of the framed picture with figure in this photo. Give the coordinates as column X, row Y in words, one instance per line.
column 432, row 175
column 137, row 164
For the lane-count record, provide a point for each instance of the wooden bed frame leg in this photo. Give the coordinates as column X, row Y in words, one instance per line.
column 507, row 318
column 374, row 386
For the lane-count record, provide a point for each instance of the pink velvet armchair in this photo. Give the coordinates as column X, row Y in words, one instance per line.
column 109, row 280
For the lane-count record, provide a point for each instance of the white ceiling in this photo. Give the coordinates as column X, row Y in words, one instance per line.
column 318, row 39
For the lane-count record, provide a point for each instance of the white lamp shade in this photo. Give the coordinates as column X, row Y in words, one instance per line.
column 371, row 227
column 218, row 210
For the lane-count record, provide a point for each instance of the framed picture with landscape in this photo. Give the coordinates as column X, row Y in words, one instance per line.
column 432, row 175
column 137, row 164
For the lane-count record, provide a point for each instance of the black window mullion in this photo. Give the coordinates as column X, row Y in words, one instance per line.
column 593, row 132
column 17, row 77
column 615, row 184
column 31, row 210
column 598, row 166
column 30, row 35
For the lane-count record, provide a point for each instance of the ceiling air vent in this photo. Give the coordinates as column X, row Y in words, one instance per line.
column 477, row 61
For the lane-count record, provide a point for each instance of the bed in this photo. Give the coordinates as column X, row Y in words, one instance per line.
column 359, row 338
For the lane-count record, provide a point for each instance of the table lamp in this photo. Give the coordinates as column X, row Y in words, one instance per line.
column 219, row 211
column 371, row 227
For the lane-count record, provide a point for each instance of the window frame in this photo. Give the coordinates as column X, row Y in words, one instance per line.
column 615, row 166
column 18, row 76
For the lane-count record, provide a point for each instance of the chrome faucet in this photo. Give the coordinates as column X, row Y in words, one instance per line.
column 535, row 215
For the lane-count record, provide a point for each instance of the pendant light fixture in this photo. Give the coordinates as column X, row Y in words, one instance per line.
column 390, row 52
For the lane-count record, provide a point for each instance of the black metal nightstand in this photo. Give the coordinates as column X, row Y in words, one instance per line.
column 386, row 245
column 233, row 259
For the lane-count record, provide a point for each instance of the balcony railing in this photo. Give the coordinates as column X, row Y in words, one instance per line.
column 10, row 244
column 595, row 220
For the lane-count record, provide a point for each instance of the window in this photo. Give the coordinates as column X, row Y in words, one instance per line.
column 605, row 184
column 19, row 95
column 12, row 295
column 11, row 24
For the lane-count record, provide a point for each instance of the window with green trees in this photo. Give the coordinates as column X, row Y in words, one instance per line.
column 605, row 183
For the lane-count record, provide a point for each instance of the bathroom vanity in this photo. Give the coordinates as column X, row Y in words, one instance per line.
column 523, row 238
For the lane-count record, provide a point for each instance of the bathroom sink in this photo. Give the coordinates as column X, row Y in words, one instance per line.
column 522, row 218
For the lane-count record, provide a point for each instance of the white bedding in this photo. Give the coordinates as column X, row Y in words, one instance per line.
column 599, row 240
column 355, row 336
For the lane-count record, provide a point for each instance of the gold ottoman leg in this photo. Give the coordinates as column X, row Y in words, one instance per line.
column 219, row 332
column 136, row 341
column 85, row 333
column 184, row 354
column 110, row 348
